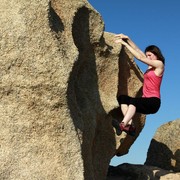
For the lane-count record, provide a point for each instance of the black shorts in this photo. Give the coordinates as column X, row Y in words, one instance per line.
column 143, row 105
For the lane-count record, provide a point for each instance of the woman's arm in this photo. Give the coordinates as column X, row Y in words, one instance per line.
column 139, row 54
column 130, row 42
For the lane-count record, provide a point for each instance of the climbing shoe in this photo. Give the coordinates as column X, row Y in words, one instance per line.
column 129, row 129
column 116, row 125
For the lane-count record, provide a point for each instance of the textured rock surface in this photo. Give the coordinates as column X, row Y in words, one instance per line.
column 140, row 172
column 59, row 77
column 164, row 150
column 163, row 160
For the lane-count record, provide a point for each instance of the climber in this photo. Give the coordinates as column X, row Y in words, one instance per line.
column 150, row 101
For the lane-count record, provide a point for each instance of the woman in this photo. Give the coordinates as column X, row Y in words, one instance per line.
column 150, row 101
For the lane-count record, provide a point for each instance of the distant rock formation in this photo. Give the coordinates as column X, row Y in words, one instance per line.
column 60, row 74
column 140, row 172
column 164, row 150
column 163, row 158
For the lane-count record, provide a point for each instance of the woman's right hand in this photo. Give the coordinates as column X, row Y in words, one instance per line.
column 122, row 36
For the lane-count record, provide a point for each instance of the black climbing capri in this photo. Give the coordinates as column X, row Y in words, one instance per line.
column 143, row 105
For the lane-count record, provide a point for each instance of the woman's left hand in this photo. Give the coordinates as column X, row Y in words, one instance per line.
column 122, row 36
column 119, row 41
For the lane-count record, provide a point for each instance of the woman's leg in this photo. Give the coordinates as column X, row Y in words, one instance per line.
column 124, row 109
column 129, row 113
column 128, row 110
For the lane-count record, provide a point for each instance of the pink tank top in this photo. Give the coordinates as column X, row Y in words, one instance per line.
column 152, row 83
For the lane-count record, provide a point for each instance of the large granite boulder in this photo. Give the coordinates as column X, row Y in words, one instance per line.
column 164, row 149
column 163, row 158
column 60, row 74
column 140, row 172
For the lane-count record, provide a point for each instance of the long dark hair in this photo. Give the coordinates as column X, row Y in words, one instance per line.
column 156, row 51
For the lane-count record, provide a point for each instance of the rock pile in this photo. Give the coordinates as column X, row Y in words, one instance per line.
column 60, row 74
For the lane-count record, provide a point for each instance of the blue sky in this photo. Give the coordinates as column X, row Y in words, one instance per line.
column 149, row 22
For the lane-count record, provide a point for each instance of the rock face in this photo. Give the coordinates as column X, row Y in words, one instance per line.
column 140, row 172
column 163, row 158
column 164, row 149
column 59, row 78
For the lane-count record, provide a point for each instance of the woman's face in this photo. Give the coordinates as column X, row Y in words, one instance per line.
column 151, row 56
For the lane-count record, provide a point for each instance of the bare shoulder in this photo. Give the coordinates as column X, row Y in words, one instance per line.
column 159, row 69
